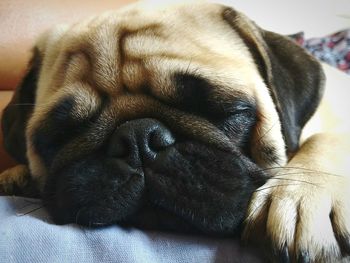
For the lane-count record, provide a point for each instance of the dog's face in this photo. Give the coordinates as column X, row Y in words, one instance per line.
column 180, row 110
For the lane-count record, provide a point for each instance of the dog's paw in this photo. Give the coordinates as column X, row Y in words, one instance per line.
column 17, row 181
column 304, row 214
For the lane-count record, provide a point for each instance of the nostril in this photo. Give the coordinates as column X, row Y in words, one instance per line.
column 160, row 139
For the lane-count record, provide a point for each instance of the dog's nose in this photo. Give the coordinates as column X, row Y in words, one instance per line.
column 139, row 139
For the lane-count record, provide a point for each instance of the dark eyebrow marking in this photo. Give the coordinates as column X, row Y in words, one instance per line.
column 60, row 127
column 193, row 93
column 200, row 96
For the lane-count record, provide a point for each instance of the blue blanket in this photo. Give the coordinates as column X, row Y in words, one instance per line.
column 28, row 235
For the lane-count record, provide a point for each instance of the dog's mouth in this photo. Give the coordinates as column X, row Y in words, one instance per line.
column 206, row 187
column 182, row 186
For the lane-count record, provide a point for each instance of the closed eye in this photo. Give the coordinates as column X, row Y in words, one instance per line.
column 240, row 107
column 198, row 95
column 239, row 125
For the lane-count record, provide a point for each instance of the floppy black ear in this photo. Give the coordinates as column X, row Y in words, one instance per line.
column 296, row 83
column 295, row 79
column 17, row 112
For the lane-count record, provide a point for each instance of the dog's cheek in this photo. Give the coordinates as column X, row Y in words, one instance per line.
column 70, row 118
column 55, row 131
column 94, row 191
column 207, row 187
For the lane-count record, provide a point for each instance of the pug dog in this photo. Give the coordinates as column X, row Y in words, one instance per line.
column 191, row 110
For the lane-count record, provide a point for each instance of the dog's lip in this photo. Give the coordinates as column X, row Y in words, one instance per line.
column 152, row 217
column 162, row 215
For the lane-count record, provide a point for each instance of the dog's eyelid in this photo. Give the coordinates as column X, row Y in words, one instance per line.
column 240, row 106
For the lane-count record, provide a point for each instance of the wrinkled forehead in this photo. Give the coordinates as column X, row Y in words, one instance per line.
column 136, row 47
column 119, row 53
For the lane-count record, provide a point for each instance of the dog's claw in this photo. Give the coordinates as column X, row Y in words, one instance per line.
column 303, row 257
column 344, row 245
column 285, row 255
column 282, row 256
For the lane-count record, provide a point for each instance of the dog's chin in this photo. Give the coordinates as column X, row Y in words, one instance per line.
column 151, row 217
column 188, row 187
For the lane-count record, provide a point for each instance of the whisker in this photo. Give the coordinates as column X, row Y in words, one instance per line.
column 31, row 201
column 266, row 132
column 311, row 172
column 303, row 170
column 269, row 187
column 188, row 66
column 29, row 212
column 21, row 104
column 77, row 215
column 293, row 180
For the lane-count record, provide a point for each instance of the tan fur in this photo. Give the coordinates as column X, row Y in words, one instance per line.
column 307, row 201
column 306, row 205
column 107, row 50
column 16, row 176
column 121, row 51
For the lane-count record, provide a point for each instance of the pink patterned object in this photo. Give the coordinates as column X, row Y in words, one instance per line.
column 333, row 49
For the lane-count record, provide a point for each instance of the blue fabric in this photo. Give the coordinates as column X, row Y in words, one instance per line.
column 28, row 235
